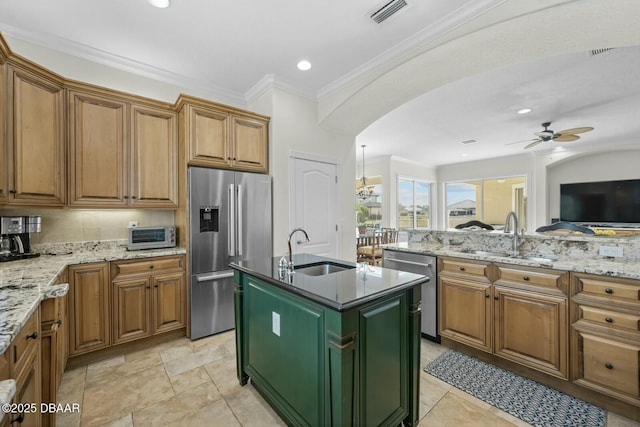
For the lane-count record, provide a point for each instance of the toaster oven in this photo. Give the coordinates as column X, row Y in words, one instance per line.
column 151, row 237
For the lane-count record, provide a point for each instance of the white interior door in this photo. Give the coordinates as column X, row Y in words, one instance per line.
column 314, row 189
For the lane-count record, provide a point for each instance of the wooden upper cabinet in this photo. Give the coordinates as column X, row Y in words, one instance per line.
column 249, row 142
column 221, row 137
column 98, row 155
column 3, row 147
column 35, row 137
column 154, row 141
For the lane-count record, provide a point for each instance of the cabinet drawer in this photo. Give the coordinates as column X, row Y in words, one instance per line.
column 547, row 279
column 148, row 266
column 611, row 364
column 24, row 345
column 461, row 267
column 610, row 318
column 50, row 310
column 614, row 289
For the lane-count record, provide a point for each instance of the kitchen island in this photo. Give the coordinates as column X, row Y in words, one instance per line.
column 334, row 343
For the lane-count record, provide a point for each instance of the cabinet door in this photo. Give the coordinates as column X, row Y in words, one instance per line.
column 98, row 158
column 89, row 317
column 154, row 149
column 169, row 302
column 250, row 144
column 465, row 311
column 208, row 137
column 131, row 314
column 532, row 329
column 36, row 139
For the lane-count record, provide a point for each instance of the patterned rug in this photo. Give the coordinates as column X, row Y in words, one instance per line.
column 523, row 398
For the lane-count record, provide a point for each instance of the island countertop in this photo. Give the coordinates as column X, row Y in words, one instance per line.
column 340, row 290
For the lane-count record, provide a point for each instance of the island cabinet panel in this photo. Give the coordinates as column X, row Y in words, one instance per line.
column 383, row 342
column 89, row 302
column 351, row 367
column 35, row 135
column 98, row 155
column 287, row 335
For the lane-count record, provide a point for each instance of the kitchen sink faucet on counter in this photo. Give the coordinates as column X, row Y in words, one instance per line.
column 341, row 331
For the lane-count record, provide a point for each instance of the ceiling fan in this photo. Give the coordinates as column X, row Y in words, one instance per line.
column 550, row 135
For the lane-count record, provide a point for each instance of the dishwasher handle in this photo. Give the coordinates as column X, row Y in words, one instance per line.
column 401, row 261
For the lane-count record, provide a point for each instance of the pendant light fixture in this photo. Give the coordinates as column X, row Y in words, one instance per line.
column 364, row 191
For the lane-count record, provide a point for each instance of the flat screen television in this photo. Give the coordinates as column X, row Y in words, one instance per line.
column 605, row 203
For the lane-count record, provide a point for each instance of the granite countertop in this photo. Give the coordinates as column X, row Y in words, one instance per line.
column 599, row 266
column 7, row 390
column 25, row 283
column 340, row 290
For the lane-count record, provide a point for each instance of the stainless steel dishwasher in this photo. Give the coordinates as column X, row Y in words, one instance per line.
column 419, row 264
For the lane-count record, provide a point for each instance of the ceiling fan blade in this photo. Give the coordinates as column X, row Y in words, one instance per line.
column 520, row 142
column 566, row 138
column 533, row 144
column 575, row 130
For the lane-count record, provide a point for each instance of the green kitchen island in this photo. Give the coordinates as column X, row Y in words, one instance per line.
column 333, row 344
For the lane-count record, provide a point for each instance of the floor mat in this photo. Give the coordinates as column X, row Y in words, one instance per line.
column 521, row 397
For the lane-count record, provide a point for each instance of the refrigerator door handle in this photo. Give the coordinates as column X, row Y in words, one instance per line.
column 239, row 199
column 232, row 221
column 215, row 276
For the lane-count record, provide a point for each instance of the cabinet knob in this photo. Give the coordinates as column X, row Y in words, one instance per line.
column 496, row 297
column 608, row 319
column 609, row 290
column 133, row 197
column 525, row 278
column 461, row 268
column 228, row 158
column 125, row 197
column 148, row 287
column 151, row 266
column 12, row 192
column 33, row 336
column 234, row 159
column 486, row 295
column 608, row 365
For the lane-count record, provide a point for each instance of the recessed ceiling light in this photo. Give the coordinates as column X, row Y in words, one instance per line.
column 304, row 65
column 464, row 154
column 524, row 111
column 162, row 4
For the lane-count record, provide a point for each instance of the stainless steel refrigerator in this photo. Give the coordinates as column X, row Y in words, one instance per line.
column 229, row 220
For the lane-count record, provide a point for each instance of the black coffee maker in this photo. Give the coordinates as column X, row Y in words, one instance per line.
column 14, row 234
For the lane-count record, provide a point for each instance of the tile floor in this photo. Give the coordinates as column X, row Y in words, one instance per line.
column 193, row 383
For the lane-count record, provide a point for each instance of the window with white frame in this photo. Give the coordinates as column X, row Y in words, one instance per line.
column 414, row 203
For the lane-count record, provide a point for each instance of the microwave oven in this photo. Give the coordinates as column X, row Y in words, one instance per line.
column 151, row 238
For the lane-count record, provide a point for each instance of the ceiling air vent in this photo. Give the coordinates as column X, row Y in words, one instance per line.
column 595, row 52
column 387, row 10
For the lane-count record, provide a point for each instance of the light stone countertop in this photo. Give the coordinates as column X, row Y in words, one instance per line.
column 25, row 283
column 600, row 266
column 7, row 390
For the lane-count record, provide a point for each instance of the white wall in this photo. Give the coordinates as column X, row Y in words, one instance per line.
column 604, row 166
column 294, row 127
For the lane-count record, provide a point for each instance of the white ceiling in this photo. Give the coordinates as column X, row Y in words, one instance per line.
column 232, row 47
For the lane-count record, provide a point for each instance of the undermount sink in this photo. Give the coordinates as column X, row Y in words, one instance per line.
column 321, row 269
column 487, row 253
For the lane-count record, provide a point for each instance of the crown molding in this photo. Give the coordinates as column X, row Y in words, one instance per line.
column 88, row 53
column 271, row 81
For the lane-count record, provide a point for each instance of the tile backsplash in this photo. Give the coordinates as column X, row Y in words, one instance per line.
column 79, row 225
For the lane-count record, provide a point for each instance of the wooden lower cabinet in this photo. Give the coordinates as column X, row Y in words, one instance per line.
column 149, row 297
column 605, row 335
column 532, row 329
column 24, row 367
column 517, row 313
column 465, row 313
column 89, row 301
